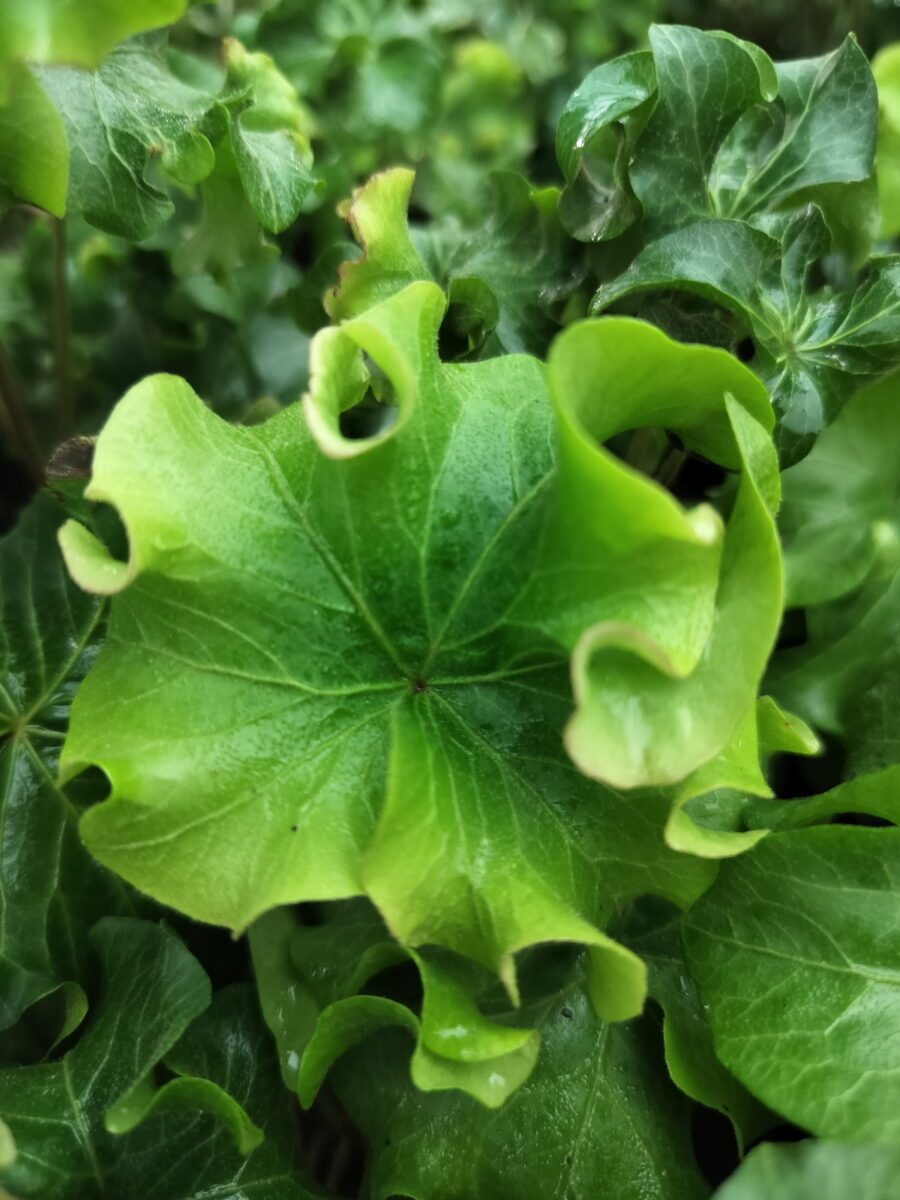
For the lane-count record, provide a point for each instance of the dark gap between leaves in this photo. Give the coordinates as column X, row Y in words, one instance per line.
column 792, row 776
column 793, row 631
column 16, row 489
column 715, row 1145
column 332, row 1149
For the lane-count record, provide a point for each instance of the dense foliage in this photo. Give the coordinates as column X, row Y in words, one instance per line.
column 450, row 608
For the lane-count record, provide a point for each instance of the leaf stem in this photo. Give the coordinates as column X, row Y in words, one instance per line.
column 15, row 414
column 62, row 333
column 639, row 445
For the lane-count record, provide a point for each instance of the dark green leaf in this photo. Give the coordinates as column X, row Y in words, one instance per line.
column 598, row 1107
column 52, row 891
column 705, row 82
column 796, row 952
column 117, row 119
column 840, row 519
column 55, row 1110
column 593, row 149
column 813, row 351
column 653, row 930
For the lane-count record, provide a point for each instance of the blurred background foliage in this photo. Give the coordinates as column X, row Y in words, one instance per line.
column 454, row 88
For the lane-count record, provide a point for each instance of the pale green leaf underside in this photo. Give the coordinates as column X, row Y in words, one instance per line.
column 815, row 1171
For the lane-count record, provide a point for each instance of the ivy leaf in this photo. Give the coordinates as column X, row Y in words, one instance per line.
column 708, row 815
column 52, row 890
column 729, row 135
column 705, row 82
column 813, row 351
column 598, row 1106
column 49, row 31
column 457, row 1046
column 850, row 651
column 117, row 119
column 653, row 929
column 815, row 1171
column 199, row 1133
column 592, row 147
column 820, row 132
column 697, row 672
column 207, row 1137
column 495, row 285
column 269, row 131
column 34, row 152
column 795, row 952
column 873, row 794
column 243, row 139
column 55, row 1109
column 303, row 687
column 840, row 520
column 377, row 214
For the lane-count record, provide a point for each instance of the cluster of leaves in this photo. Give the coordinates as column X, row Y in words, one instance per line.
column 523, row 701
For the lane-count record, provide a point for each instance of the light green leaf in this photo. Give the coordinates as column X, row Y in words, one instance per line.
column 389, row 260
column 886, row 69
column 301, row 685
column 815, row 1171
column 635, row 672
column 48, row 31
column 795, row 952
column 7, row 1147
column 34, row 151
column 456, row 1045
column 485, row 1060
column 709, row 815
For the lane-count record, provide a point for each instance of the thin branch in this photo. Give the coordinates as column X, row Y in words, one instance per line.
column 62, row 334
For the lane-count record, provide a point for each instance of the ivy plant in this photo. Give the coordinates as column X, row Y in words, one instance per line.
column 449, row 602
